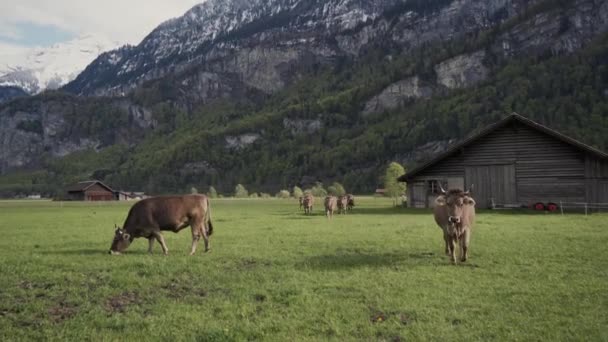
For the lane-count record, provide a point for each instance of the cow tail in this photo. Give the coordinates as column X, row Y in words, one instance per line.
column 208, row 218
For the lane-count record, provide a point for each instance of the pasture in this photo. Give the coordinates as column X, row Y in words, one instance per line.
column 378, row 274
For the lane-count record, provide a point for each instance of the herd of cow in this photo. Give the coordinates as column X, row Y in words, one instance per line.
column 454, row 213
column 341, row 204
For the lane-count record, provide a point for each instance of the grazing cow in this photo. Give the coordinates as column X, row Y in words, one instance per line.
column 148, row 217
column 307, row 203
column 455, row 214
column 342, row 204
column 331, row 203
column 351, row 201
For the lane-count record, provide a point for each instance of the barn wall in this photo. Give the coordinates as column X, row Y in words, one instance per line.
column 596, row 171
column 535, row 167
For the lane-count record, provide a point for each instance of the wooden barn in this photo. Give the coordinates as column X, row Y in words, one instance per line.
column 514, row 162
column 90, row 191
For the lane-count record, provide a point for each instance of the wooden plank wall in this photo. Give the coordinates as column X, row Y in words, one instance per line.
column 546, row 169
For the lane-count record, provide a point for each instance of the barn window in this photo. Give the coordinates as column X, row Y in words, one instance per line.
column 435, row 185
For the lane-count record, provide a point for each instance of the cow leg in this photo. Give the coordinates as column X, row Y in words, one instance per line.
column 159, row 237
column 446, row 240
column 452, row 247
column 466, row 239
column 205, row 230
column 196, row 229
column 150, row 244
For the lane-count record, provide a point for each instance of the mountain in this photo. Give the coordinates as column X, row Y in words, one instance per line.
column 272, row 93
column 261, row 44
column 36, row 69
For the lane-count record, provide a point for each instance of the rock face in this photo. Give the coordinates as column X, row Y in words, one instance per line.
column 53, row 127
column 9, row 93
column 462, row 71
column 297, row 126
column 241, row 141
column 263, row 44
column 397, row 94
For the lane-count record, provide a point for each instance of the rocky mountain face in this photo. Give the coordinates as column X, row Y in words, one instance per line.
column 37, row 69
column 57, row 125
column 9, row 93
column 263, row 43
column 255, row 49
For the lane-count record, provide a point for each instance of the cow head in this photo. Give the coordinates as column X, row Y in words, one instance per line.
column 455, row 201
column 121, row 241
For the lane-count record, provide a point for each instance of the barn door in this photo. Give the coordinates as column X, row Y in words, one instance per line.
column 492, row 182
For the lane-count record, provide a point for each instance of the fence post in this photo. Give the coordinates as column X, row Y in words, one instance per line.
column 585, row 209
column 561, row 207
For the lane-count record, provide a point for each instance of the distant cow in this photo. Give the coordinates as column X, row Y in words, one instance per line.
column 331, row 204
column 351, row 201
column 342, row 204
column 455, row 214
column 148, row 217
column 307, row 202
column 301, row 199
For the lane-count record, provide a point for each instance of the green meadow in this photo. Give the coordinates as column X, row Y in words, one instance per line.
column 376, row 274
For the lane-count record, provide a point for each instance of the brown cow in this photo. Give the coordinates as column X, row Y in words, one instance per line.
column 308, row 201
column 342, row 204
column 455, row 214
column 351, row 201
column 331, row 203
column 148, row 217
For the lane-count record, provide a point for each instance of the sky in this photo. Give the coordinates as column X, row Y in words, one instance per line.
column 41, row 23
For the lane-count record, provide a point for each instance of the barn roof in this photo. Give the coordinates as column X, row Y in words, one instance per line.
column 83, row 186
column 514, row 117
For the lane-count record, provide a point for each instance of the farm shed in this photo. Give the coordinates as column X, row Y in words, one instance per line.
column 514, row 162
column 90, row 191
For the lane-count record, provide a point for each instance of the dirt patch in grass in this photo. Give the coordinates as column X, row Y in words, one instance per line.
column 28, row 285
column 62, row 311
column 260, row 297
column 119, row 303
column 177, row 290
column 379, row 316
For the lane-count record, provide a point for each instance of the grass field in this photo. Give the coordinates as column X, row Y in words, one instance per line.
column 275, row 274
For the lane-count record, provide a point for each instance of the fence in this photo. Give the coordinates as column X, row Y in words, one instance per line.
column 587, row 207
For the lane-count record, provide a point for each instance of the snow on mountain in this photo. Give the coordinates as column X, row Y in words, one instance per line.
column 37, row 69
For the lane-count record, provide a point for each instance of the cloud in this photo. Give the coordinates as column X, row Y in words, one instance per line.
column 119, row 20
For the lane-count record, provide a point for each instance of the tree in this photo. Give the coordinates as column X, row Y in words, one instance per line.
column 193, row 190
column 297, row 192
column 336, row 189
column 283, row 194
column 212, row 192
column 393, row 187
column 318, row 190
column 240, row 191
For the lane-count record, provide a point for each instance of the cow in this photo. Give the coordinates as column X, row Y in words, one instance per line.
column 301, row 199
column 455, row 214
column 307, row 202
column 351, row 201
column 342, row 204
column 148, row 217
column 331, row 203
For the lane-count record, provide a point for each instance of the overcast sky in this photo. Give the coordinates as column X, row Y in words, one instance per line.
column 27, row 23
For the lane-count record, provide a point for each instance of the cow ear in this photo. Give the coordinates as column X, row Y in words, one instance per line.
column 469, row 201
column 126, row 236
column 440, row 201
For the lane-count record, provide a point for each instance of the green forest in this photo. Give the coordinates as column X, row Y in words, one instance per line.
column 188, row 149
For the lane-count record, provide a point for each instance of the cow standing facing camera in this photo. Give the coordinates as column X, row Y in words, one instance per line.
column 455, row 214
column 148, row 217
